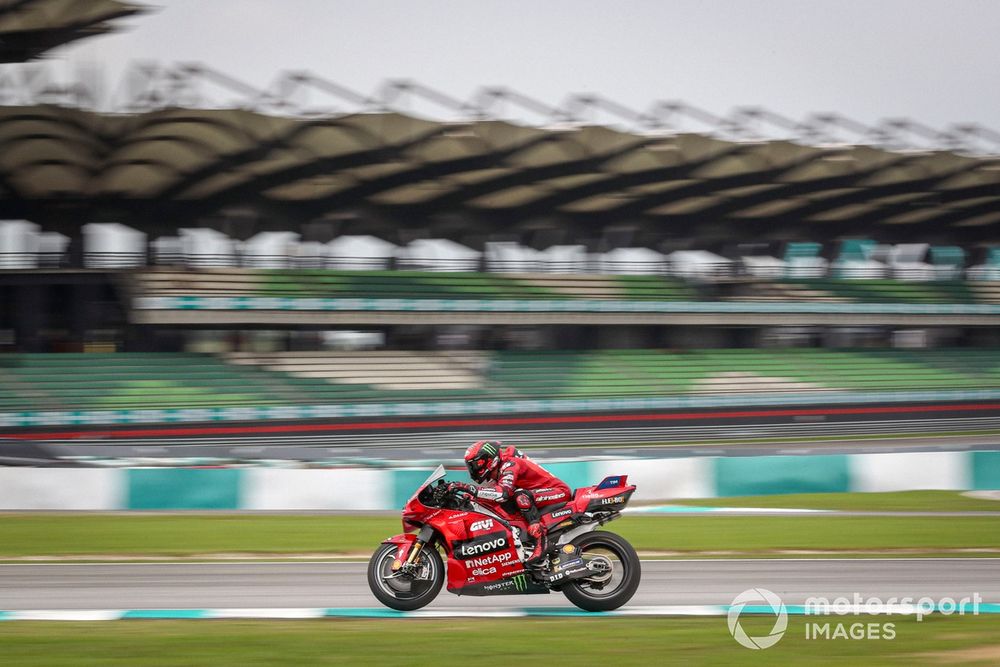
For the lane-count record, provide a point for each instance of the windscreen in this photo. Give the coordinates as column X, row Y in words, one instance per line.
column 435, row 476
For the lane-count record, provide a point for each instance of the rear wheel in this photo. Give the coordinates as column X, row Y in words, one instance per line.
column 403, row 591
column 617, row 572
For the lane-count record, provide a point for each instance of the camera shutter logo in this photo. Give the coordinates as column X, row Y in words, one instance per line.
column 755, row 596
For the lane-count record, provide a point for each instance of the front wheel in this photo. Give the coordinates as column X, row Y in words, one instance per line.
column 405, row 592
column 618, row 577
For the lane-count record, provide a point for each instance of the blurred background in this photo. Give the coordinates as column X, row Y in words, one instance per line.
column 265, row 264
column 218, row 253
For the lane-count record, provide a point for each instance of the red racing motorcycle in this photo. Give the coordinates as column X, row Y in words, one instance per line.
column 485, row 549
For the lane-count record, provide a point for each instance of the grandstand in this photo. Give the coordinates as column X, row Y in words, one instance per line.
column 136, row 387
column 396, row 176
column 31, row 28
column 169, row 263
column 318, row 283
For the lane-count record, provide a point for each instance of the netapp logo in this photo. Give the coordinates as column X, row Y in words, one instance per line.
column 489, row 560
column 481, row 545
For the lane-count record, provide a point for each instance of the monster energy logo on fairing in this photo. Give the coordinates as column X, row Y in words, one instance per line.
column 520, row 582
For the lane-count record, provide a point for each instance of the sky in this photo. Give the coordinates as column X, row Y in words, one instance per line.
column 936, row 62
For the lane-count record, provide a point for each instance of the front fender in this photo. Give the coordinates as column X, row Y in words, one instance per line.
column 405, row 543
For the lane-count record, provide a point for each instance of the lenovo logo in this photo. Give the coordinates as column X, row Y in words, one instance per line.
column 481, row 545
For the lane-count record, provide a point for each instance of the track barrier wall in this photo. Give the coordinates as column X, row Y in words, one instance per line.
column 370, row 488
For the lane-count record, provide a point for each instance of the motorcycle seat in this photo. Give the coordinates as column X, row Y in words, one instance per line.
column 549, row 509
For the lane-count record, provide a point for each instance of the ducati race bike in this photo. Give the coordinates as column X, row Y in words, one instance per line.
column 485, row 548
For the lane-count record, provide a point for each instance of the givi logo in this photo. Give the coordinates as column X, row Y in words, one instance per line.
column 485, row 524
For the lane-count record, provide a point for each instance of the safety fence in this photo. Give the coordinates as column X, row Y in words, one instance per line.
column 212, row 303
column 485, row 407
column 370, row 488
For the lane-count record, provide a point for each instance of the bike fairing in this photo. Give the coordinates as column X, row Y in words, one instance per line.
column 482, row 544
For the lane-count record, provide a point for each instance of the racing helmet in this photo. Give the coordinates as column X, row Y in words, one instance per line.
column 482, row 458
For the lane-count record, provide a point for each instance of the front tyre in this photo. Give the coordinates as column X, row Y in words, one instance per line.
column 619, row 577
column 404, row 592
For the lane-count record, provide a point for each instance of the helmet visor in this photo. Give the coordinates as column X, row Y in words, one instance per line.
column 478, row 468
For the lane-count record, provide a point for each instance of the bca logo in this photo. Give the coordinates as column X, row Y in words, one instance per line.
column 485, row 524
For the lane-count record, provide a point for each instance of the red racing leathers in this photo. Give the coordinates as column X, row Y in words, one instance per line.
column 518, row 472
column 530, row 486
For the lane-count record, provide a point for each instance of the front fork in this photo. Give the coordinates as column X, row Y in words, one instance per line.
column 409, row 552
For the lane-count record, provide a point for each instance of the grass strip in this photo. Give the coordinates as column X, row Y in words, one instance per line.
column 952, row 640
column 33, row 534
column 896, row 501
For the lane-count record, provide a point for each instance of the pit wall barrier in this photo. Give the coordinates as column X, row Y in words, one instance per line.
column 368, row 488
column 550, row 305
column 558, row 406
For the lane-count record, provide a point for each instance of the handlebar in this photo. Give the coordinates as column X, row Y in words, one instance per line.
column 442, row 491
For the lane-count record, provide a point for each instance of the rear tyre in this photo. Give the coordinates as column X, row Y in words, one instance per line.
column 610, row 589
column 405, row 593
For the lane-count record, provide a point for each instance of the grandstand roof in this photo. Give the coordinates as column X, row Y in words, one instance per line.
column 194, row 162
column 29, row 28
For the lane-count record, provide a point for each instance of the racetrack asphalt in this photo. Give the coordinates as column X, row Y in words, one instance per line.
column 343, row 584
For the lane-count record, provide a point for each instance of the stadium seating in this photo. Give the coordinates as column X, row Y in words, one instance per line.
column 45, row 382
column 319, row 283
column 405, row 284
column 403, row 370
column 120, row 381
column 872, row 291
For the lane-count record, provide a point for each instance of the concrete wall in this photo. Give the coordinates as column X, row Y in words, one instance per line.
column 372, row 488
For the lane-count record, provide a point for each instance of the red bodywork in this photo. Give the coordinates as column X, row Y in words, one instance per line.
column 482, row 551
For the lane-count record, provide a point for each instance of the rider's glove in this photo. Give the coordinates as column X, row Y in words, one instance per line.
column 461, row 486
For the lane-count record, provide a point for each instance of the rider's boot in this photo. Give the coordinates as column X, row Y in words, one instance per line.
column 541, row 537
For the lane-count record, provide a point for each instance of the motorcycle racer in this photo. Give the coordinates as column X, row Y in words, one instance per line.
column 515, row 478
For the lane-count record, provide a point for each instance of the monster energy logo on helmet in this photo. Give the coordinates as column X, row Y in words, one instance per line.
column 490, row 448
